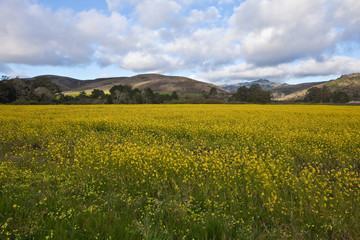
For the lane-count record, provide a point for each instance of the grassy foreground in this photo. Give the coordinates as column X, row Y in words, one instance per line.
column 179, row 172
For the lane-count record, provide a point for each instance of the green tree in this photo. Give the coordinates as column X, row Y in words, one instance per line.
column 313, row 95
column 22, row 88
column 42, row 89
column 97, row 93
column 241, row 94
column 213, row 92
column 258, row 95
column 43, row 94
column 39, row 89
column 149, row 96
column 82, row 94
column 7, row 93
column 121, row 93
column 340, row 97
column 318, row 95
column 45, row 82
column 174, row 95
column 325, row 94
column 254, row 94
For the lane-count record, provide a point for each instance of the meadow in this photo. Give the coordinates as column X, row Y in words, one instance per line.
column 180, row 172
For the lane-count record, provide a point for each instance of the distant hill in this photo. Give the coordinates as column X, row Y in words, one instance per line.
column 350, row 84
column 264, row 83
column 283, row 90
column 157, row 82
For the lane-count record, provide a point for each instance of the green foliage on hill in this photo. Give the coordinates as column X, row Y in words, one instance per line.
column 22, row 91
column 264, row 84
column 41, row 90
column 324, row 95
column 345, row 85
column 254, row 94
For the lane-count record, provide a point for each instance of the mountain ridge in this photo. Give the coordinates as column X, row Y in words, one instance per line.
column 264, row 83
column 157, row 82
column 348, row 83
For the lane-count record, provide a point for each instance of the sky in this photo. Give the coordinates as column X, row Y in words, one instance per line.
column 224, row 41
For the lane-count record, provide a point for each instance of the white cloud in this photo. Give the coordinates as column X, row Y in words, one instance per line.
column 243, row 71
column 140, row 62
column 210, row 14
column 137, row 39
column 157, row 13
column 276, row 39
column 279, row 31
column 99, row 26
column 336, row 65
column 36, row 35
column 346, row 14
column 204, row 48
column 114, row 5
column 186, row 2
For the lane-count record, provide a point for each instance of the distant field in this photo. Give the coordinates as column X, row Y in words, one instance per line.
column 74, row 94
column 88, row 93
column 180, row 172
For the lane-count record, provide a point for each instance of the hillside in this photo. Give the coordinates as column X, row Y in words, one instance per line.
column 286, row 89
column 157, row 82
column 350, row 84
column 264, row 83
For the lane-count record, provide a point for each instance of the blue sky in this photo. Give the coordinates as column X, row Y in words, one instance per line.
column 223, row 41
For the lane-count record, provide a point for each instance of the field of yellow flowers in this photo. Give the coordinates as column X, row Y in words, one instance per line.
column 180, row 172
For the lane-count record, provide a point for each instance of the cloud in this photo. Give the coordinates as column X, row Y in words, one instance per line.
column 204, row 48
column 210, row 14
column 114, row 5
column 98, row 26
column 275, row 39
column 112, row 50
column 157, row 13
column 36, row 35
column 140, row 62
column 346, row 14
column 279, row 31
column 335, row 65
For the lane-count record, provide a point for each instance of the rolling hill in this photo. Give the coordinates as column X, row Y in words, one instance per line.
column 350, row 84
column 157, row 82
column 264, row 83
column 287, row 89
column 278, row 90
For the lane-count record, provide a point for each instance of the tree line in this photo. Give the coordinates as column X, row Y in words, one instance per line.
column 253, row 94
column 324, row 95
column 123, row 94
column 41, row 90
